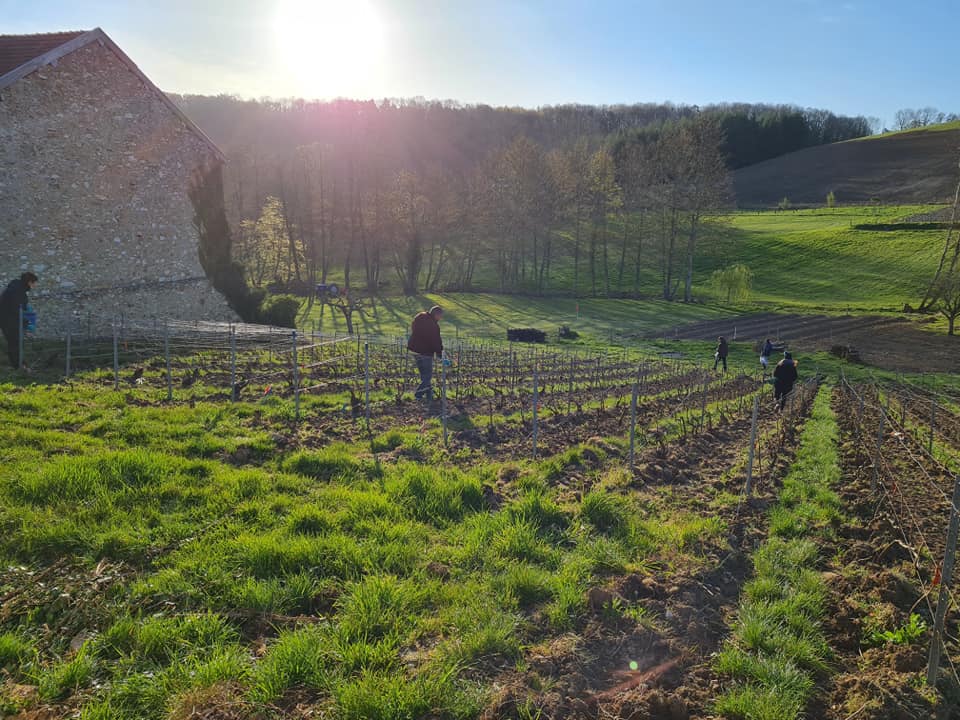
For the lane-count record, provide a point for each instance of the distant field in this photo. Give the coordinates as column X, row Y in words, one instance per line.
column 804, row 260
column 815, row 259
column 489, row 315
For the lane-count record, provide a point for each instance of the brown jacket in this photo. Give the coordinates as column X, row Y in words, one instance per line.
column 425, row 335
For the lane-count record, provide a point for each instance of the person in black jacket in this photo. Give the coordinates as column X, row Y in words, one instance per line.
column 720, row 355
column 12, row 300
column 784, row 376
column 425, row 343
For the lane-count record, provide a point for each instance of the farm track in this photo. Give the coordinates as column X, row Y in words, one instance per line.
column 882, row 567
column 588, row 676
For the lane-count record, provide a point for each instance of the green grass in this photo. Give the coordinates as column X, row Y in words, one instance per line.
column 374, row 585
column 814, row 259
column 487, row 315
column 802, row 260
column 777, row 647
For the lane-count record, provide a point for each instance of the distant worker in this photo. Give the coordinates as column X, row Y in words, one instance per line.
column 784, row 376
column 426, row 344
column 12, row 301
column 721, row 353
column 765, row 354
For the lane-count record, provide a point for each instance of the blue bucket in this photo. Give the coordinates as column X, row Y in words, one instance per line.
column 30, row 319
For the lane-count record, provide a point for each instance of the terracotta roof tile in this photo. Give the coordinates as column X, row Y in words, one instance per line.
column 15, row 50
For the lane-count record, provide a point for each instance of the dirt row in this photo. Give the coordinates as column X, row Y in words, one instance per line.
column 621, row 669
column 882, row 570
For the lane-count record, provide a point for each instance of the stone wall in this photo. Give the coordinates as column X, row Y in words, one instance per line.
column 94, row 171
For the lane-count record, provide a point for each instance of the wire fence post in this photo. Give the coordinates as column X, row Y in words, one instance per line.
column 943, row 599
column 933, row 423
column 536, row 402
column 233, row 364
column 753, row 444
column 20, row 334
column 859, row 415
column 633, row 422
column 66, row 369
column 876, row 459
column 366, row 383
column 116, row 358
column 166, row 356
column 443, row 399
column 296, row 376
column 703, row 404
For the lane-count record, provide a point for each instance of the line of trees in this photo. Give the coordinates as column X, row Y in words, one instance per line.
column 912, row 118
column 428, row 196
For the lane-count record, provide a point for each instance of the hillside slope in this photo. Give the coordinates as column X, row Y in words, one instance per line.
column 910, row 167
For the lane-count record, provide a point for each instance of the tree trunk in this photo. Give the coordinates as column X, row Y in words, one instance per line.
column 691, row 248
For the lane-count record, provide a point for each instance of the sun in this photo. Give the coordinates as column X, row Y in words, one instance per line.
column 329, row 47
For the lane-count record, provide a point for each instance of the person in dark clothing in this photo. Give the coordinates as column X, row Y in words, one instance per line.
column 784, row 376
column 425, row 343
column 765, row 352
column 721, row 353
column 12, row 301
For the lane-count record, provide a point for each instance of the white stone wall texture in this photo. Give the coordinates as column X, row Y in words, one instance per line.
column 94, row 173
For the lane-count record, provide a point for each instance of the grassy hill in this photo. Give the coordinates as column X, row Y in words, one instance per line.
column 819, row 259
column 901, row 167
column 802, row 260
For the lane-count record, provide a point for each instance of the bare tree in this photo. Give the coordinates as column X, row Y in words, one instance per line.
column 948, row 299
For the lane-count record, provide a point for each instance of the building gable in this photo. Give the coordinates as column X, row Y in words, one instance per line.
column 16, row 47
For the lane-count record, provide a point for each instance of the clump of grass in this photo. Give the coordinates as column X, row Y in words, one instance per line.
column 67, row 676
column 376, row 695
column 537, row 509
column 13, row 651
column 310, row 520
column 606, row 512
column 525, row 585
column 335, row 462
column 520, row 540
column 379, row 605
column 298, row 658
column 436, row 496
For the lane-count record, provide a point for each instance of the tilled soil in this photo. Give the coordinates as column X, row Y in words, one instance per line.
column 883, row 570
column 887, row 342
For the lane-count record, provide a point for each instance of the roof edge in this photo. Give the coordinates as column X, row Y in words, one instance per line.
column 98, row 35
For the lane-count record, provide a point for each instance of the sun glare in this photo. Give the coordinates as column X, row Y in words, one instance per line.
column 329, row 47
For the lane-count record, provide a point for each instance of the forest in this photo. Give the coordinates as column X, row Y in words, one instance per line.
column 415, row 195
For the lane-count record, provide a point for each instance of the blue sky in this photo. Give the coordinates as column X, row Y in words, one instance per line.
column 851, row 57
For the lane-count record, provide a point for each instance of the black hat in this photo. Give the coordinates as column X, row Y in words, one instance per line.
column 787, row 355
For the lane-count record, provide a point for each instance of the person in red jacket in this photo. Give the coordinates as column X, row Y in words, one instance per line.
column 425, row 343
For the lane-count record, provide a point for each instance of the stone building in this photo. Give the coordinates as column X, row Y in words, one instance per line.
column 95, row 167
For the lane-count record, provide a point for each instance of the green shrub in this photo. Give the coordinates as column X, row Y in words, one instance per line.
column 279, row 310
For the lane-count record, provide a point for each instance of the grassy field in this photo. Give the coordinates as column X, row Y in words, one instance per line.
column 206, row 555
column 486, row 315
column 815, row 259
column 802, row 260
